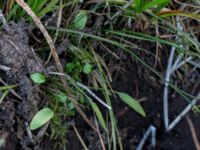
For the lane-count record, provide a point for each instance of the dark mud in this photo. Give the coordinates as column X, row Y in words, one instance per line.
column 133, row 125
column 133, row 79
column 17, row 111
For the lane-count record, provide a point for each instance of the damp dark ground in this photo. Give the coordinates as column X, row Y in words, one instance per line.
column 133, row 126
column 132, row 79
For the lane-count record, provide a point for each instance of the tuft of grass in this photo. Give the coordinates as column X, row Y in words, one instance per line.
column 4, row 90
column 86, row 64
column 40, row 8
column 142, row 5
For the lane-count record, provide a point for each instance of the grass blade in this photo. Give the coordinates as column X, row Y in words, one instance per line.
column 99, row 115
column 154, row 3
column 132, row 103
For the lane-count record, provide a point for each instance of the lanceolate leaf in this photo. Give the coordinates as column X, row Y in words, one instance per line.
column 99, row 115
column 132, row 103
column 41, row 117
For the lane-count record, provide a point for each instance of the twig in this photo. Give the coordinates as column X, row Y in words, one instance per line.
column 178, row 59
column 165, row 96
column 178, row 65
column 93, row 95
column 157, row 45
column 194, row 135
column 57, row 25
column 99, row 134
column 197, row 65
column 167, row 79
column 183, row 113
column 80, row 138
column 42, row 131
column 5, row 68
column 185, row 4
column 109, row 51
column 151, row 131
column 59, row 20
column 119, row 12
column 83, row 87
column 35, row 56
column 28, row 131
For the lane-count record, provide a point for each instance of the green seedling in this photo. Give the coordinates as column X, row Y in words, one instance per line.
column 133, row 103
column 87, row 68
column 38, row 78
column 5, row 90
column 61, row 97
column 142, row 5
column 69, row 67
column 41, row 118
column 80, row 20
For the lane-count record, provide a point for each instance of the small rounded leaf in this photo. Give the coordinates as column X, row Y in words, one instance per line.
column 38, row 78
column 87, row 68
column 69, row 67
column 41, row 117
column 62, row 97
column 80, row 20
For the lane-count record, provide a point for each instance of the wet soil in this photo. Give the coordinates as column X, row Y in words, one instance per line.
column 16, row 110
column 132, row 126
column 134, row 80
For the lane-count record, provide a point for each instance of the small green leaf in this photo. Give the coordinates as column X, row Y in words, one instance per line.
column 138, row 5
column 132, row 103
column 80, row 20
column 99, row 115
column 41, row 117
column 69, row 67
column 38, row 78
column 70, row 105
column 154, row 3
column 62, row 97
column 87, row 68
